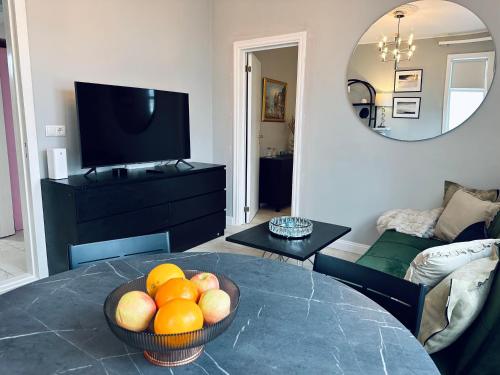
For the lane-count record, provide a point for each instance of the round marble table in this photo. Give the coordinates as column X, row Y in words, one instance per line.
column 290, row 320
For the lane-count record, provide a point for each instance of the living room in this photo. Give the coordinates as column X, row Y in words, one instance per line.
column 344, row 175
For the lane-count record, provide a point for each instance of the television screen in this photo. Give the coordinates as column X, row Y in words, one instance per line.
column 124, row 125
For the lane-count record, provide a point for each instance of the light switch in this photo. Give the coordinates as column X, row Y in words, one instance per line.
column 55, row 131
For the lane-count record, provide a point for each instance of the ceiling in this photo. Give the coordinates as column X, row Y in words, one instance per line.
column 426, row 19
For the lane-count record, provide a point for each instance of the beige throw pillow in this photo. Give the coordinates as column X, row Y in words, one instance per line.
column 452, row 305
column 463, row 210
column 434, row 264
column 450, row 188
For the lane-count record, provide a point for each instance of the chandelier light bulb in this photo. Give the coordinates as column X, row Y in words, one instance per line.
column 398, row 49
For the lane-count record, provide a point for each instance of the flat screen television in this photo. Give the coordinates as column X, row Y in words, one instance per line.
column 125, row 125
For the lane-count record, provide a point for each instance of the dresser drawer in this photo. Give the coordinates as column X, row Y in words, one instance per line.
column 116, row 199
column 193, row 233
column 192, row 208
column 129, row 224
column 197, row 184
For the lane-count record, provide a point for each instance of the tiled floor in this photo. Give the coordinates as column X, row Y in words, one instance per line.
column 221, row 245
column 12, row 256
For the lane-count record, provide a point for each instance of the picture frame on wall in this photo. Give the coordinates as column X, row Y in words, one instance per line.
column 408, row 80
column 273, row 100
column 406, row 108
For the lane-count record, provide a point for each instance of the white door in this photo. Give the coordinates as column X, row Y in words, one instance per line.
column 6, row 212
column 254, row 103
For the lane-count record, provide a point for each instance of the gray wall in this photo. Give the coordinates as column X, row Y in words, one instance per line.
column 279, row 64
column 430, row 57
column 164, row 44
column 350, row 175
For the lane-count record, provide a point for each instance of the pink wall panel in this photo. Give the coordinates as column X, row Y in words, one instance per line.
column 11, row 145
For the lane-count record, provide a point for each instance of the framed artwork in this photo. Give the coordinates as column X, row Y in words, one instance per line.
column 408, row 80
column 406, row 108
column 273, row 100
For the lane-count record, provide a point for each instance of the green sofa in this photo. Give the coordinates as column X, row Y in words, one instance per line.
column 475, row 352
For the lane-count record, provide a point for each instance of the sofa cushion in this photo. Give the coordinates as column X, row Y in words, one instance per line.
column 393, row 252
column 452, row 306
column 494, row 228
column 476, row 231
column 463, row 210
column 432, row 265
column 476, row 351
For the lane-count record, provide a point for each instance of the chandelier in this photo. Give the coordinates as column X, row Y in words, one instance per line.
column 399, row 50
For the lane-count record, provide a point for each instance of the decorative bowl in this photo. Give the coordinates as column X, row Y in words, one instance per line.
column 291, row 226
column 170, row 350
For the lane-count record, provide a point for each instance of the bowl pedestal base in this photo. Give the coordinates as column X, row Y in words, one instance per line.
column 175, row 357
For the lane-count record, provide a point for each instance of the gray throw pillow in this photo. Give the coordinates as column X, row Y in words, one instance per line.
column 452, row 305
column 450, row 188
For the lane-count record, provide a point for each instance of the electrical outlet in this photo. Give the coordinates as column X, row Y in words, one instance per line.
column 55, row 131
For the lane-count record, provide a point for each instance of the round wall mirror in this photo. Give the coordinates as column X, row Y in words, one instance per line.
column 421, row 70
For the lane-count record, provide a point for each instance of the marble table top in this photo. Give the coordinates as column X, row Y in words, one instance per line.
column 290, row 320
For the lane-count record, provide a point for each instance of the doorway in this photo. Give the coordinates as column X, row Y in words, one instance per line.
column 27, row 245
column 12, row 250
column 269, row 81
column 272, row 83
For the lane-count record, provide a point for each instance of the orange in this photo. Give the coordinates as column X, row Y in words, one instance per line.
column 160, row 275
column 176, row 288
column 178, row 316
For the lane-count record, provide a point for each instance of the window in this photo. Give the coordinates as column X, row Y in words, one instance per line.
column 468, row 79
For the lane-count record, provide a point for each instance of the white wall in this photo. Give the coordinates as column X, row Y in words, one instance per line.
column 351, row 175
column 279, row 64
column 163, row 44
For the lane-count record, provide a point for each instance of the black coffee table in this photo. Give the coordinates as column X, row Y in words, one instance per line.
column 261, row 238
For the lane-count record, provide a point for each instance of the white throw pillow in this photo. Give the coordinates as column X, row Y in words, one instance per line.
column 434, row 264
column 451, row 306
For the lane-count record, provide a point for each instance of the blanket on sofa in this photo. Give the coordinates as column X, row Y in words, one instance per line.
column 420, row 223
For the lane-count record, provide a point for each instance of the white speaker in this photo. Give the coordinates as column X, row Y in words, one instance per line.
column 56, row 161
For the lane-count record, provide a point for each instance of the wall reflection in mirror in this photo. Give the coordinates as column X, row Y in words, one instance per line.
column 421, row 70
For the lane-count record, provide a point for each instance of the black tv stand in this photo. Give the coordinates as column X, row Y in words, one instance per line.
column 90, row 171
column 189, row 203
column 184, row 162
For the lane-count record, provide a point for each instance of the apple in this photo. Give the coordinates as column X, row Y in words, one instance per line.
column 135, row 310
column 205, row 281
column 215, row 304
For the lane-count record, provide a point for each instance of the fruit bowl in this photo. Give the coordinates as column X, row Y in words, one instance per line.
column 176, row 349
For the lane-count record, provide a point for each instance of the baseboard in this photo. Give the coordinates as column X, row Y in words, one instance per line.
column 229, row 220
column 349, row 247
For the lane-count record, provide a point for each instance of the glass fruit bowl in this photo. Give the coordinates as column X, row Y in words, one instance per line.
column 291, row 226
column 176, row 349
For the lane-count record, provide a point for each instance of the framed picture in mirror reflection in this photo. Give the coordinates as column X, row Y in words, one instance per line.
column 408, row 80
column 406, row 108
